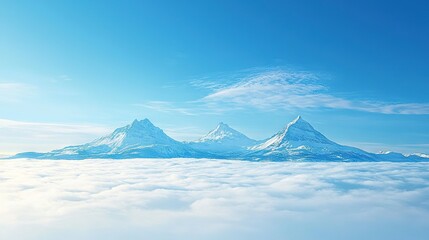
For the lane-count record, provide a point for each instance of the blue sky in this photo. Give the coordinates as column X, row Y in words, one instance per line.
column 73, row 70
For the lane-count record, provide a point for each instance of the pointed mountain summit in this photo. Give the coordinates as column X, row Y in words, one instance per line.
column 223, row 132
column 138, row 139
column 297, row 133
column 299, row 140
column 223, row 139
column 138, row 133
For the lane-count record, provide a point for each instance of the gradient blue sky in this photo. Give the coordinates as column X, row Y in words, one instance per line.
column 73, row 70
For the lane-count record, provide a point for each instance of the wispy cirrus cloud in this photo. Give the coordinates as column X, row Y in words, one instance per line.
column 278, row 89
column 191, row 108
column 164, row 106
column 20, row 136
column 61, row 78
column 15, row 92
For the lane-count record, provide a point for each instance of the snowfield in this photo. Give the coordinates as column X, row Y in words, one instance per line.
column 298, row 141
column 212, row 199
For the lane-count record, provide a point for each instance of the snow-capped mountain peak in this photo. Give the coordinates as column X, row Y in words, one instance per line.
column 297, row 141
column 223, row 126
column 299, row 122
column 300, row 127
column 140, row 138
column 138, row 133
column 142, row 123
column 297, row 133
column 300, row 140
column 421, row 155
column 221, row 132
column 223, row 138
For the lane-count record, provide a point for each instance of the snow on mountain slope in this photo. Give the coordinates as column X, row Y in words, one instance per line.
column 421, row 155
column 399, row 157
column 223, row 132
column 300, row 140
column 223, row 140
column 296, row 134
column 139, row 139
column 138, row 134
column 297, row 141
column 391, row 156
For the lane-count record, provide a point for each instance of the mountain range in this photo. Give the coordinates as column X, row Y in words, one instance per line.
column 298, row 141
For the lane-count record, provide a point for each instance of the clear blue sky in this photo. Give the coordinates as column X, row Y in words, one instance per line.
column 358, row 71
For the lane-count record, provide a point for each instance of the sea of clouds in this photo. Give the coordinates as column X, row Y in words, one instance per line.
column 212, row 199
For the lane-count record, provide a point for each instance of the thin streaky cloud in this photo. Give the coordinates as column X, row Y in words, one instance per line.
column 280, row 89
column 276, row 89
column 166, row 107
column 191, row 108
column 15, row 92
column 61, row 78
column 52, row 127
column 207, row 84
column 18, row 136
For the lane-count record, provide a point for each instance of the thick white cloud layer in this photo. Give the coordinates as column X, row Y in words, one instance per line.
column 212, row 199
